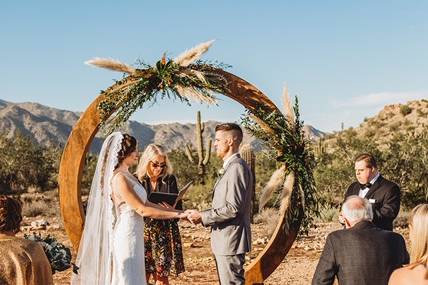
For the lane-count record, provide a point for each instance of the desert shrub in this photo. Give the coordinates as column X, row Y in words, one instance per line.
column 24, row 163
column 395, row 126
column 403, row 160
column 335, row 168
column 91, row 160
column 328, row 214
column 36, row 208
column 421, row 113
column 268, row 218
column 405, row 110
column 406, row 163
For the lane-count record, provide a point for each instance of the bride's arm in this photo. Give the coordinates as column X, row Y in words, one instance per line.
column 145, row 209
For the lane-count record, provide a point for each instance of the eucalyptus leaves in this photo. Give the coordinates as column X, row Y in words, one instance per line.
column 59, row 255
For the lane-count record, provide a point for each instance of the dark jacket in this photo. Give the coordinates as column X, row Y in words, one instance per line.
column 361, row 255
column 384, row 197
column 165, row 184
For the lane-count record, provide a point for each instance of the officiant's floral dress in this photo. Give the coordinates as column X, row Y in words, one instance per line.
column 162, row 239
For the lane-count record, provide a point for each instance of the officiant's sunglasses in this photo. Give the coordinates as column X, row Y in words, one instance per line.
column 156, row 165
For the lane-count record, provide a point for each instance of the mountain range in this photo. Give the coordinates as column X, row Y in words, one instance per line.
column 51, row 127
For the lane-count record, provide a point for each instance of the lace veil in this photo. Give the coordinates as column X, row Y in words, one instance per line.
column 94, row 258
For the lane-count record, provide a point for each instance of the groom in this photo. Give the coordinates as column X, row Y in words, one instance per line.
column 229, row 216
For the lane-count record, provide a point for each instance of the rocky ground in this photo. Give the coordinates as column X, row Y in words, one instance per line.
column 297, row 267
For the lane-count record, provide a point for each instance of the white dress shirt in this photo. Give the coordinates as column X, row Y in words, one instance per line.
column 363, row 192
column 227, row 160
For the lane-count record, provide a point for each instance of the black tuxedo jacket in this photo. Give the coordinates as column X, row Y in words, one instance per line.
column 361, row 255
column 384, row 196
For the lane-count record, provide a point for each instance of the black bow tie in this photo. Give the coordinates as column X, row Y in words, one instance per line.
column 364, row 186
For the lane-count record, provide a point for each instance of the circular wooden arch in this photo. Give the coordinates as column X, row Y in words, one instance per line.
column 72, row 164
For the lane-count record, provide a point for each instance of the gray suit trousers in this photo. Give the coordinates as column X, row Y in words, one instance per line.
column 230, row 269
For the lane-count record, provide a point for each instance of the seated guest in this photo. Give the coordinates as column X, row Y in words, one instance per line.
column 416, row 273
column 22, row 261
column 361, row 254
column 162, row 239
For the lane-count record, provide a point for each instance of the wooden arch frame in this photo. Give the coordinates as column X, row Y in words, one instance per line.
column 72, row 163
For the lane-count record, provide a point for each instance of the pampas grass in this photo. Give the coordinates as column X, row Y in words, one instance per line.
column 287, row 188
column 288, row 108
column 193, row 54
column 193, row 94
column 274, row 183
column 111, row 64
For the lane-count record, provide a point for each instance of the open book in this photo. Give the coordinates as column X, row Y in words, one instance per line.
column 170, row 198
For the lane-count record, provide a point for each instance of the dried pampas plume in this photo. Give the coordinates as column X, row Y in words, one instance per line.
column 193, row 54
column 288, row 108
column 193, row 94
column 274, row 183
column 111, row 64
column 287, row 188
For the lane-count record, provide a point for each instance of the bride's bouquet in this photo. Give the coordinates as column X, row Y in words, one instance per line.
column 59, row 255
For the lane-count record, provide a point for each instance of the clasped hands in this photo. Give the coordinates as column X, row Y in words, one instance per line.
column 193, row 216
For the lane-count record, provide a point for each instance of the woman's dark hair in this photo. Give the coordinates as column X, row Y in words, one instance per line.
column 10, row 214
column 129, row 145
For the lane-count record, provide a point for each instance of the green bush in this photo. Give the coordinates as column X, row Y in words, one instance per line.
column 405, row 110
column 403, row 160
column 24, row 163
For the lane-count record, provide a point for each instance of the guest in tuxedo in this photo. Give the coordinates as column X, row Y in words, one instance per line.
column 229, row 216
column 416, row 273
column 21, row 261
column 162, row 239
column 361, row 254
column 383, row 195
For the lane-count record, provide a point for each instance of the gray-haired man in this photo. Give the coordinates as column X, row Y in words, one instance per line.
column 361, row 254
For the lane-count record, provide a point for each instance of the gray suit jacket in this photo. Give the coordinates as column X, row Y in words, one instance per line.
column 229, row 216
column 361, row 255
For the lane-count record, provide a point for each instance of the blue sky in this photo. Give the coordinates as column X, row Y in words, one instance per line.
column 344, row 60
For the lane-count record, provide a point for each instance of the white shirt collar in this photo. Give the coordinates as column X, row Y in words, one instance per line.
column 227, row 160
column 375, row 178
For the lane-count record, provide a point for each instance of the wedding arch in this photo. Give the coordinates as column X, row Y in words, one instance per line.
column 187, row 78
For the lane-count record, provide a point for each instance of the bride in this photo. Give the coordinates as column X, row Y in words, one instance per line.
column 111, row 249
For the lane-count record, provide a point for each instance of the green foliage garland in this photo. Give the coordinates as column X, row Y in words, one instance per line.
column 286, row 136
column 166, row 78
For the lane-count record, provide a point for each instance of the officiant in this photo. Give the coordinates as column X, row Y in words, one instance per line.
column 161, row 237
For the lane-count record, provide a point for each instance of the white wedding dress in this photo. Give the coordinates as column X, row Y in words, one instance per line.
column 128, row 238
column 111, row 249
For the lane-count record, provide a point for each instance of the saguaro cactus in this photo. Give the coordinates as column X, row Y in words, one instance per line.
column 249, row 156
column 203, row 155
column 320, row 147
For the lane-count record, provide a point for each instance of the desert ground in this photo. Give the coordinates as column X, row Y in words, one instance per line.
column 297, row 268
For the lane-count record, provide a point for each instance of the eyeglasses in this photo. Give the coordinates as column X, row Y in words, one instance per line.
column 160, row 165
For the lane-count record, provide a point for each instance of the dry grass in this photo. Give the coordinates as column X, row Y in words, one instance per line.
column 40, row 204
column 268, row 218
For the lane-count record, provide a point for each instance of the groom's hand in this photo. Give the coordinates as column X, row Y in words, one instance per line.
column 194, row 216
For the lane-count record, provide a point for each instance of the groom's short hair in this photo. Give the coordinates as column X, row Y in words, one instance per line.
column 231, row 127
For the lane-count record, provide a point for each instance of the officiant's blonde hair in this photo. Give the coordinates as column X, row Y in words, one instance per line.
column 148, row 155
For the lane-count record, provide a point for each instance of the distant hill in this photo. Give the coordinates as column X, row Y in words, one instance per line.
column 51, row 127
column 392, row 119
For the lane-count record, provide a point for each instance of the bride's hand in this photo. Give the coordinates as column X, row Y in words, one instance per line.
column 181, row 215
column 166, row 205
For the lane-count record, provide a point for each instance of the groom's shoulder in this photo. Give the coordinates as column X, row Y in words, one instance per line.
column 238, row 164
